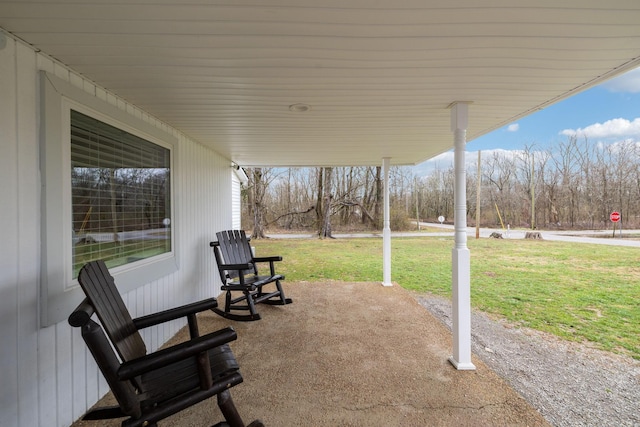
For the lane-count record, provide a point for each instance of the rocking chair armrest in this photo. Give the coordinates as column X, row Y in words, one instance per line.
column 81, row 315
column 271, row 260
column 174, row 313
column 167, row 356
column 267, row 259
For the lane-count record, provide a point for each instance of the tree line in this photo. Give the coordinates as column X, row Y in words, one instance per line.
column 575, row 184
column 115, row 200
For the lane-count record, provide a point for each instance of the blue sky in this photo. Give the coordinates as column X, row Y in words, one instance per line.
column 606, row 113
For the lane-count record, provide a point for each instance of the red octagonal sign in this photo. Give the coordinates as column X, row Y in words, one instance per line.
column 615, row 216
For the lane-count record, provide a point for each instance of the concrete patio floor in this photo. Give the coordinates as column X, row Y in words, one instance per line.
column 354, row 354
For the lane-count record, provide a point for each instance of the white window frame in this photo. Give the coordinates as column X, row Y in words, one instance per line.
column 60, row 293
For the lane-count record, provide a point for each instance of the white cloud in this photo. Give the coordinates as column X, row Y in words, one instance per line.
column 610, row 129
column 441, row 161
column 626, row 83
column 513, row 127
column 445, row 161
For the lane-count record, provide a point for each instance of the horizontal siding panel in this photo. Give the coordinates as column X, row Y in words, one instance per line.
column 236, row 202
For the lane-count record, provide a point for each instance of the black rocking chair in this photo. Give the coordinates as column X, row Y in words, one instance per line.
column 151, row 387
column 239, row 273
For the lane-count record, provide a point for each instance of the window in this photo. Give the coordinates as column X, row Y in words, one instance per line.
column 120, row 186
column 107, row 182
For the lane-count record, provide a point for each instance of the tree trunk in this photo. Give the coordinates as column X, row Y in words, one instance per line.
column 366, row 198
column 258, row 204
column 377, row 211
column 114, row 213
column 326, row 220
column 320, row 195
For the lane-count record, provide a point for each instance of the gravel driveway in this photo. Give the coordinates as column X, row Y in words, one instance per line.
column 570, row 384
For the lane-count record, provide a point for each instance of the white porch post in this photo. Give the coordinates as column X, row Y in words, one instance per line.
column 461, row 260
column 386, row 229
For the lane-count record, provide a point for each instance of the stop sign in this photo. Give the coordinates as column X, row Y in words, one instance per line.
column 615, row 216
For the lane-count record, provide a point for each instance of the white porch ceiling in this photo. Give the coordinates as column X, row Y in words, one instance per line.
column 378, row 75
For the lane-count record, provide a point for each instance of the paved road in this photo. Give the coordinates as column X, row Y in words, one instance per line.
column 598, row 237
column 586, row 236
column 151, row 234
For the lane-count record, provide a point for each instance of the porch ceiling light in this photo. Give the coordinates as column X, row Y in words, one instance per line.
column 299, row 108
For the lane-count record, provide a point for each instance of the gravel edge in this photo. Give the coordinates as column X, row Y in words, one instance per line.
column 570, row 383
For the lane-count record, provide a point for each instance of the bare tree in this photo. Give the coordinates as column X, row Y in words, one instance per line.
column 319, row 199
column 325, row 229
column 572, row 184
column 258, row 182
column 377, row 210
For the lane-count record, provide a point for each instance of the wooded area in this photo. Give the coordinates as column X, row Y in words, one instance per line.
column 573, row 185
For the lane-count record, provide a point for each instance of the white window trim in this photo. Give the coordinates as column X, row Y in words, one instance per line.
column 60, row 294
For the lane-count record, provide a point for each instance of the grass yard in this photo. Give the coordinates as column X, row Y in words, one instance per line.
column 116, row 254
column 579, row 292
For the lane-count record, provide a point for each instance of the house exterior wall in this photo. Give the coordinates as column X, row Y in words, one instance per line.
column 48, row 377
column 236, row 202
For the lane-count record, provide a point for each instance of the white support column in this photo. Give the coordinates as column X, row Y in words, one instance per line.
column 461, row 259
column 386, row 229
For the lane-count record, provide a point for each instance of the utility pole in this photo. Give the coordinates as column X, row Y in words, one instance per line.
column 533, row 198
column 479, row 182
column 415, row 190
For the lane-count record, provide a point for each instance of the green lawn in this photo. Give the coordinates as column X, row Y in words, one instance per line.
column 580, row 292
column 116, row 254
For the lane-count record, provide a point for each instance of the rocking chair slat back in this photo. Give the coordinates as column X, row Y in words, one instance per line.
column 236, row 250
column 101, row 290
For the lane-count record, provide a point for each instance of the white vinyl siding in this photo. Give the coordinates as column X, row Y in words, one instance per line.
column 59, row 290
column 236, row 202
column 49, row 378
